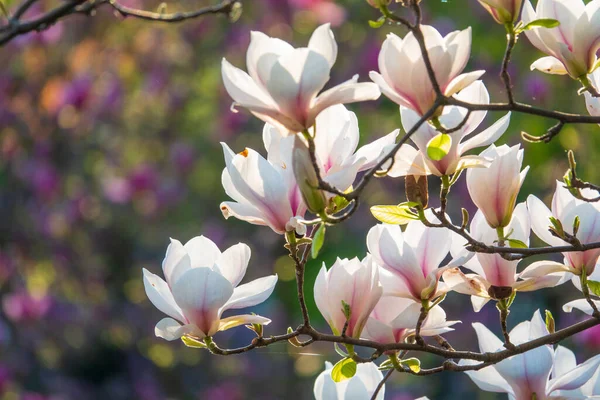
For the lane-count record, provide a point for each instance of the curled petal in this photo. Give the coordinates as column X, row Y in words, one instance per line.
column 169, row 329
column 549, row 65
column 237, row 320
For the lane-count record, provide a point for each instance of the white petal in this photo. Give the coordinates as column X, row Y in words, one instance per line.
column 262, row 53
column 576, row 377
column 169, row 329
column 581, row 305
column 325, row 388
column 542, row 268
column 237, row 320
column 233, row 263
column 323, row 42
column 345, row 93
column 549, row 65
column 374, row 151
column 175, row 257
column 462, row 81
column 242, row 88
column 540, row 220
column 388, row 91
column 252, row 293
column 488, row 342
column 378, row 331
column 488, row 136
column 487, row 378
column 160, row 295
column 203, row 252
column 564, row 361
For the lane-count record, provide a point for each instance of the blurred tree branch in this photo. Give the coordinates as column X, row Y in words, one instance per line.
column 15, row 26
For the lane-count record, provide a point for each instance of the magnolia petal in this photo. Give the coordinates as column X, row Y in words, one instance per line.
column 242, row 88
column 540, row 282
column 375, row 151
column 262, row 53
column 245, row 212
column 169, row 329
column 470, row 284
column 176, row 254
column 325, row 388
column 540, row 220
column 576, row 377
column 237, row 320
column 542, row 268
column 233, row 262
column 203, row 252
column 252, row 293
column 160, row 295
column 347, row 92
column 378, row 331
column 564, row 361
column 407, row 161
column 581, row 305
column 488, row 136
column 323, row 42
column 388, row 91
column 549, row 65
column 488, row 342
column 462, row 81
column 479, row 302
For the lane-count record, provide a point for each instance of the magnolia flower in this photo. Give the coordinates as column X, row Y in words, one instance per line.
column 336, row 137
column 282, row 83
column 593, row 103
column 201, row 283
column 571, row 46
column 360, row 387
column 494, row 189
column 265, row 192
column 494, row 277
column 410, row 259
column 394, row 319
column 541, row 373
column 411, row 161
column 353, row 282
column 565, row 208
column 404, row 78
column 503, row 11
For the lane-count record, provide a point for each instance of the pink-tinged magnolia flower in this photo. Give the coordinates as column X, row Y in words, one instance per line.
column 394, row 320
column 494, row 277
column 411, row 161
column 361, row 386
column 403, row 77
column 494, row 189
column 282, row 83
column 571, row 47
column 410, row 259
column 593, row 103
column 265, row 192
column 354, row 282
column 503, row 11
column 336, row 139
column 541, row 373
column 201, row 283
column 565, row 208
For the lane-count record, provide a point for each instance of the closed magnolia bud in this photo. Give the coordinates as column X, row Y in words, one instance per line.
column 306, row 178
column 378, row 3
column 503, row 11
column 416, row 189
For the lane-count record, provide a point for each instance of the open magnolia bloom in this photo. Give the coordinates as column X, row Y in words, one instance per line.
column 394, row 319
column 571, row 47
column 593, row 103
column 361, row 386
column 403, row 76
column 494, row 189
column 411, row 161
column 503, row 11
column 202, row 283
column 565, row 207
column 411, row 259
column 540, row 374
column 282, row 82
column 353, row 282
column 336, row 139
column 265, row 192
column 494, row 277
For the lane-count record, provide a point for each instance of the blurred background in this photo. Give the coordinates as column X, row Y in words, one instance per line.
column 109, row 145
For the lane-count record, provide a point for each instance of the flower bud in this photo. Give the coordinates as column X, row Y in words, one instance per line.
column 503, row 11
column 378, row 3
column 306, row 178
column 416, row 189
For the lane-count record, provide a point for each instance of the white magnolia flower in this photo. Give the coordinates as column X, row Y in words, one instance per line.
column 354, row 282
column 582, row 304
column 336, row 140
column 360, row 387
column 493, row 275
column 565, row 208
column 394, row 319
column 403, row 77
column 282, row 82
column 571, row 47
column 542, row 372
column 411, row 161
column 593, row 103
column 201, row 283
column 411, row 259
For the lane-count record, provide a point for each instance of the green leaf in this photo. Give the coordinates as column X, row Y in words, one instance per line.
column 293, row 340
column 377, row 24
column 387, row 364
column 542, row 23
column 576, row 223
column 517, row 244
column 550, row 322
column 412, row 363
column 439, row 146
column 557, row 227
column 339, row 350
column 395, row 215
column 189, row 342
column 594, row 287
column 318, row 241
column 344, row 369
